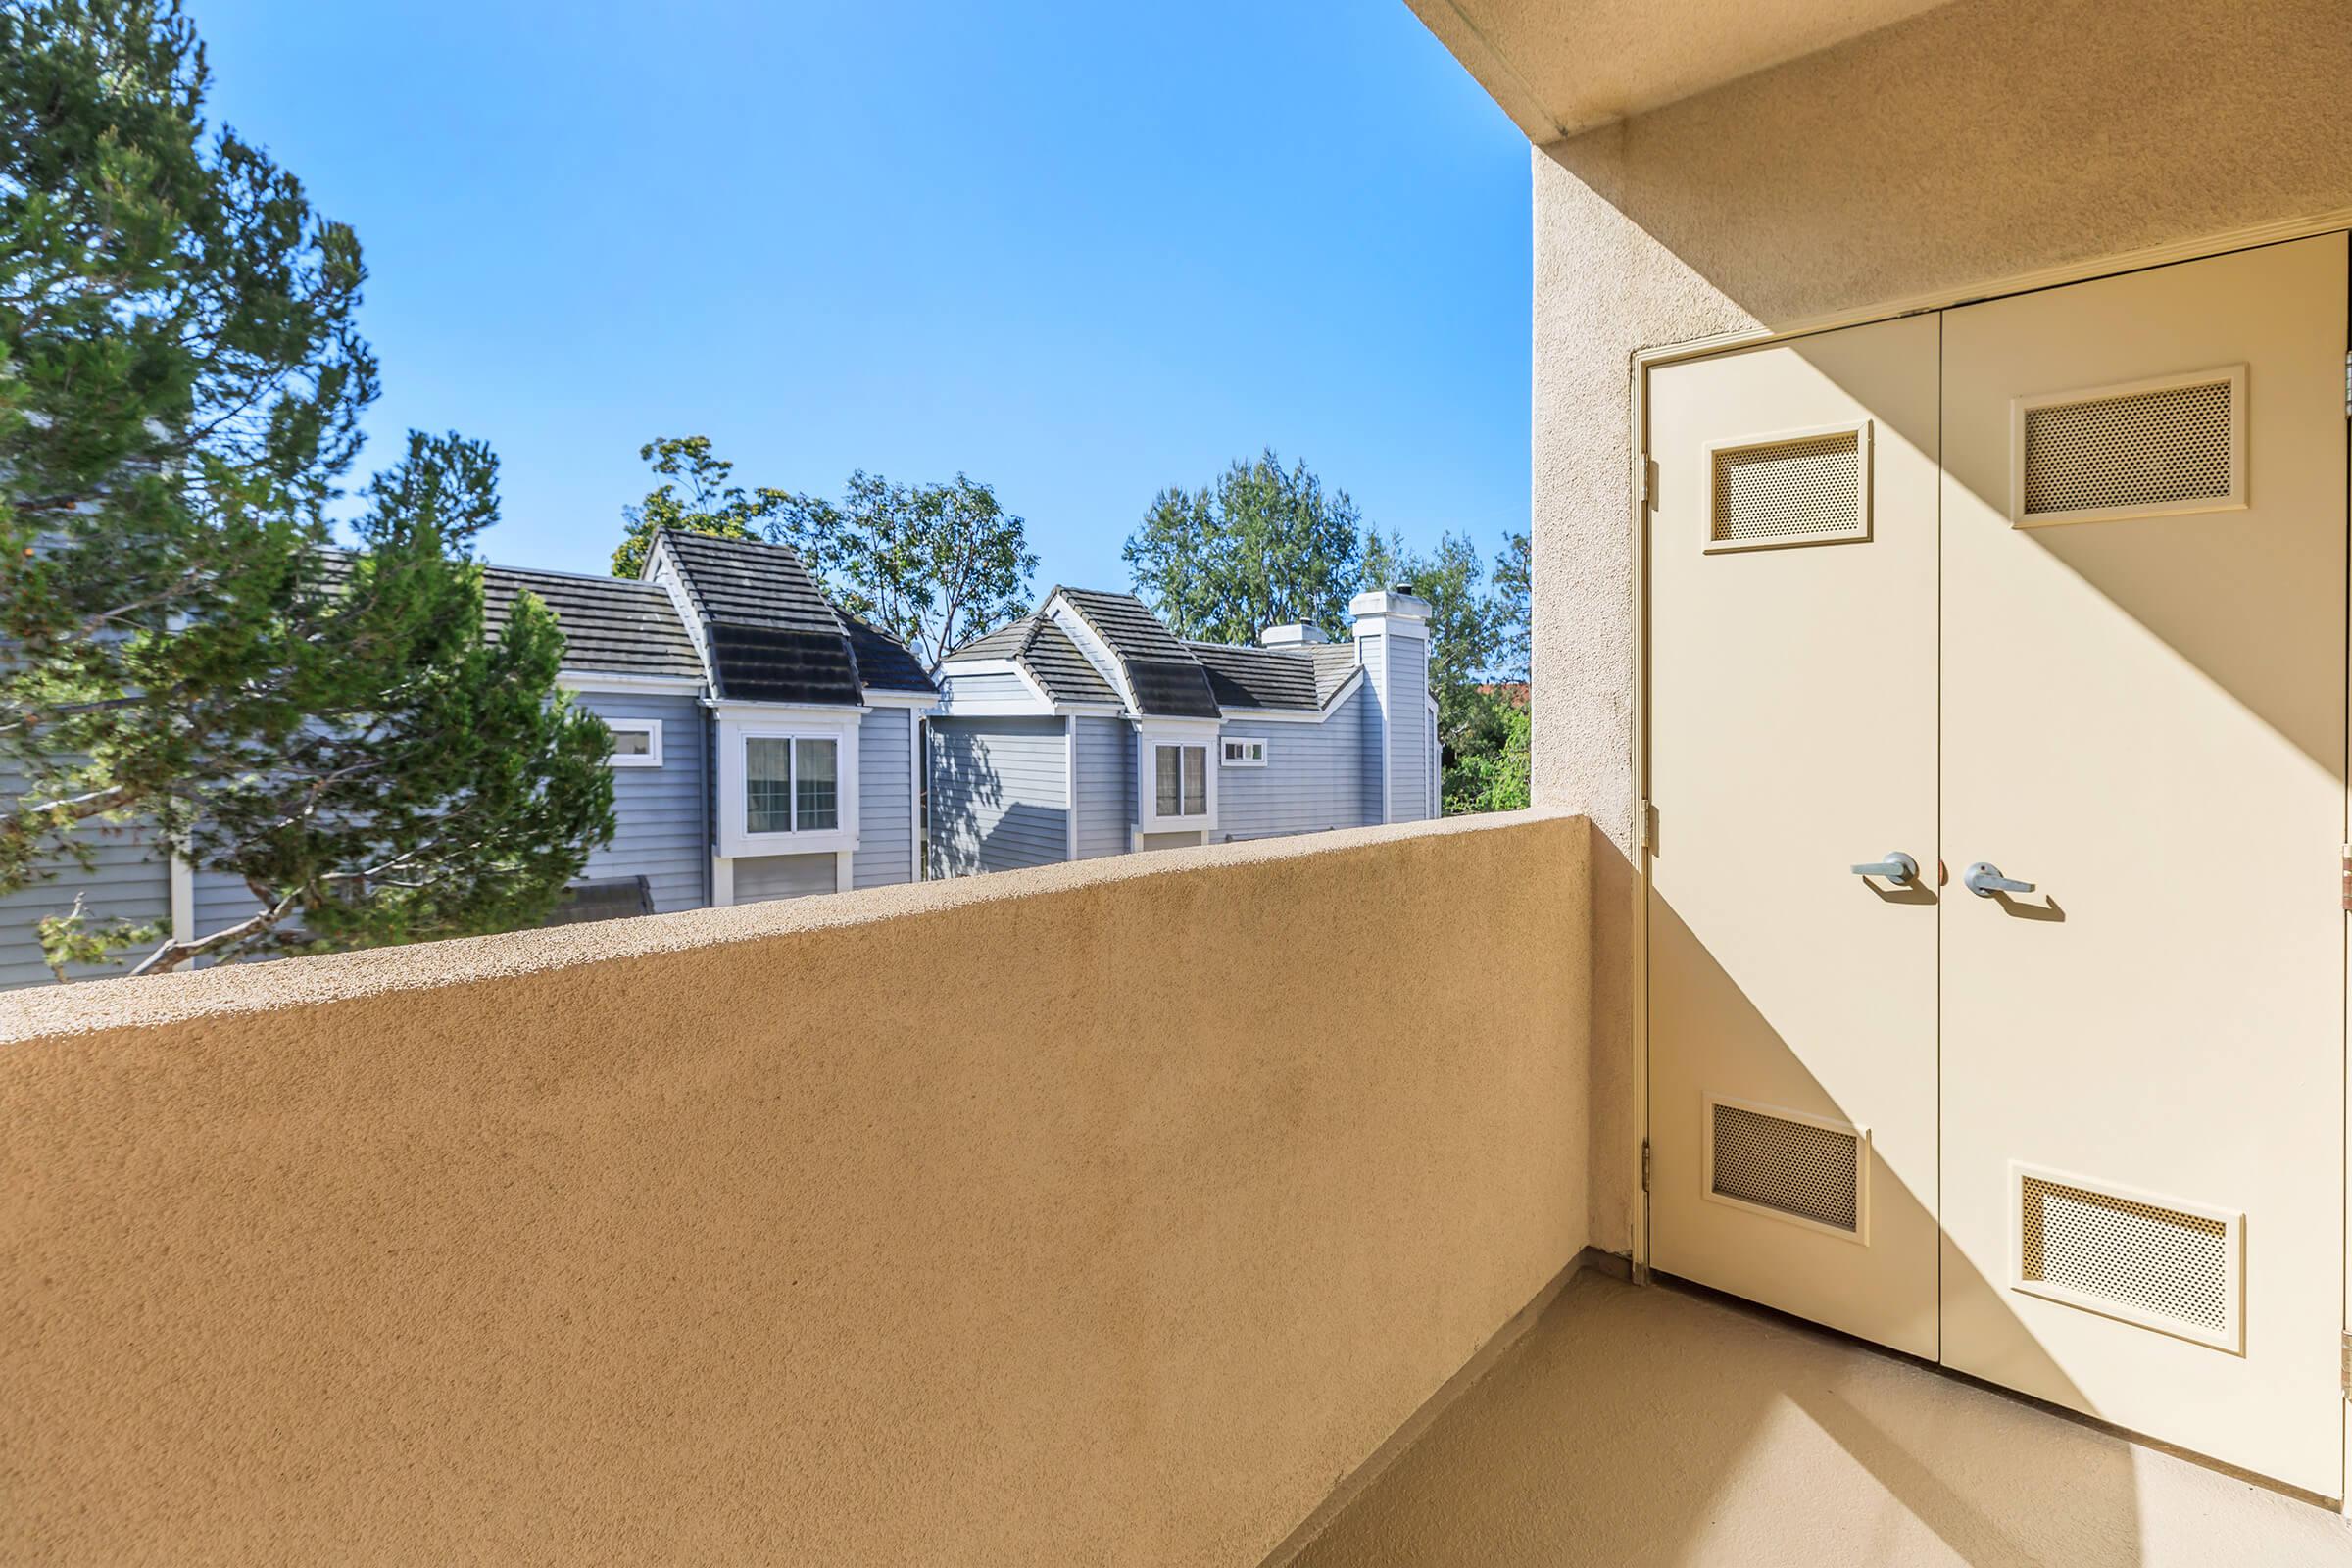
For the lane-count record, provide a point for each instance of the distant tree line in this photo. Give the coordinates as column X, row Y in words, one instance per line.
column 1263, row 545
column 933, row 564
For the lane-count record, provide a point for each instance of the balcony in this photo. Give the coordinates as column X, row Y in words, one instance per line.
column 1211, row 1207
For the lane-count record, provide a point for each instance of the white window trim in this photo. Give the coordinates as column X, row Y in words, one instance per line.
column 1149, row 738
column 1247, row 742
column 735, row 837
column 652, row 729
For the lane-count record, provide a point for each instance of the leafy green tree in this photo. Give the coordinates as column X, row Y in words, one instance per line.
column 1513, row 578
column 708, row 505
column 1489, row 769
column 1260, row 546
column 933, row 564
column 182, row 383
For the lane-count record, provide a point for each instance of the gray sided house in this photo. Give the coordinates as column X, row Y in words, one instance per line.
column 1088, row 728
column 765, row 746
column 808, row 733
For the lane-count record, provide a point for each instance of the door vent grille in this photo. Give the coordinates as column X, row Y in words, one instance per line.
column 2148, row 1260
column 1808, row 487
column 1795, row 1166
column 2149, row 449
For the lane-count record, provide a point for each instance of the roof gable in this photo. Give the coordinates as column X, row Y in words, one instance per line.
column 1168, row 677
column 1044, row 651
column 1163, row 676
column 772, row 634
column 749, row 583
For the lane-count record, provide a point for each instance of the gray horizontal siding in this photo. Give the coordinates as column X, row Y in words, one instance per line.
column 885, row 801
column 130, row 879
column 221, row 900
column 657, row 811
column 997, row 788
column 1313, row 779
column 1106, row 786
column 1370, row 728
column 954, row 688
column 761, row 877
column 1406, row 698
column 1432, row 761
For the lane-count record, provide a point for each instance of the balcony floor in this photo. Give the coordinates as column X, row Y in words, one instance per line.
column 1660, row 1427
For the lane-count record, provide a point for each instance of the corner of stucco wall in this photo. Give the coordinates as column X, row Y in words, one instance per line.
column 1604, row 289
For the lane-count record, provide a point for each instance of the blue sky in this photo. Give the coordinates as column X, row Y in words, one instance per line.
column 1080, row 253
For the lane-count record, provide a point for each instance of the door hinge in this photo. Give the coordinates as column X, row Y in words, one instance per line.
column 2348, row 385
column 1645, row 835
column 2346, row 864
column 1647, row 481
column 2347, row 1367
column 1645, row 1188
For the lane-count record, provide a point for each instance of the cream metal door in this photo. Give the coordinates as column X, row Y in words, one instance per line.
column 2144, row 716
column 1792, row 647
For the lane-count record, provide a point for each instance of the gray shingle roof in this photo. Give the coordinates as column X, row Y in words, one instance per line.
column 1335, row 664
column 884, row 664
column 609, row 624
column 1169, row 677
column 1164, row 677
column 1046, row 652
column 773, row 634
column 1259, row 678
column 750, row 584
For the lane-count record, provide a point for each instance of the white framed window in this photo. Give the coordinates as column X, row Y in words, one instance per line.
column 787, row 781
column 1235, row 752
column 636, row 742
column 790, row 784
column 1176, row 775
column 1180, row 780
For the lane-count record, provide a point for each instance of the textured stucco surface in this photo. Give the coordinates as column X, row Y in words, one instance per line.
column 1706, row 1436
column 1976, row 144
column 1563, row 66
column 1106, row 1212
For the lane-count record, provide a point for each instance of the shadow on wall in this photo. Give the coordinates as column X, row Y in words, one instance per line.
column 1697, row 1430
column 964, row 789
column 1026, row 834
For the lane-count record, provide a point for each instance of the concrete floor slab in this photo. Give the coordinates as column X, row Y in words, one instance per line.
column 1659, row 1427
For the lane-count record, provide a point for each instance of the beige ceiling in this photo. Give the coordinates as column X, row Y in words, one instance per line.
column 1558, row 67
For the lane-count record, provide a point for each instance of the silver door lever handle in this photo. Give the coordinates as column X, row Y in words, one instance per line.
column 1898, row 868
column 1985, row 879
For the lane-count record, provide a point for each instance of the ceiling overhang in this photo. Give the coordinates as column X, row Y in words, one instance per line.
column 1559, row 67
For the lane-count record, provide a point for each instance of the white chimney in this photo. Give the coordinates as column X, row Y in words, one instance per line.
column 1298, row 634
column 1391, row 639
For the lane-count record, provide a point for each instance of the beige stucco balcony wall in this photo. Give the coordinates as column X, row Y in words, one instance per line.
column 1960, row 153
column 1105, row 1214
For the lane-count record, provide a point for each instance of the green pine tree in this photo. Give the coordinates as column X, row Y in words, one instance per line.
column 1260, row 546
column 182, row 383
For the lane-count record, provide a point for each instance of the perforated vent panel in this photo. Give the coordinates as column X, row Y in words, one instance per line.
column 1810, row 487
column 1792, row 1166
column 2146, row 450
column 2154, row 1260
